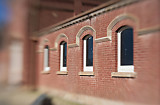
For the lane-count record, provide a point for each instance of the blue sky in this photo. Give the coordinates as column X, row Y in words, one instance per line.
column 4, row 12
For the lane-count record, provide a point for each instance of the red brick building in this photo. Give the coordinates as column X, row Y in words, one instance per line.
column 109, row 75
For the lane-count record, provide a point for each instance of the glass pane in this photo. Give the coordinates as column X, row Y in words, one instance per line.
column 127, row 47
column 89, row 52
column 46, row 54
column 65, row 55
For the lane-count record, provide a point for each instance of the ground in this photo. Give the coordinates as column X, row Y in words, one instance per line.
column 21, row 96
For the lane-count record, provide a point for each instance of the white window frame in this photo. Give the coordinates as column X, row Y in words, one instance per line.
column 86, row 68
column 127, row 68
column 61, row 59
column 46, row 59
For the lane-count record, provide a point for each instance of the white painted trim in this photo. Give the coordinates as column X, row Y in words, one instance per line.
column 85, row 68
column 61, row 59
column 129, row 68
column 46, row 66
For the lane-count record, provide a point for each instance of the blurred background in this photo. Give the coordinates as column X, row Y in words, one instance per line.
column 19, row 19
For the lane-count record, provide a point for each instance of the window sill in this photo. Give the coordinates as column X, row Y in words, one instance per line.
column 45, row 72
column 86, row 73
column 103, row 39
column 62, row 72
column 52, row 49
column 124, row 74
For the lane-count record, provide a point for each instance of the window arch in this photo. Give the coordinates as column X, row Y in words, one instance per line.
column 81, row 31
column 121, row 18
column 88, row 53
column 46, row 58
column 58, row 38
column 63, row 56
column 125, row 49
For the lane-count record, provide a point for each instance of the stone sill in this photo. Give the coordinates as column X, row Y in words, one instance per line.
column 45, row 72
column 39, row 51
column 62, row 72
column 103, row 39
column 124, row 74
column 52, row 49
column 86, row 73
column 72, row 45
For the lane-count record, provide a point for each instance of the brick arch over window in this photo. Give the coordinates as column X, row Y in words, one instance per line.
column 81, row 32
column 56, row 43
column 43, row 43
column 118, row 19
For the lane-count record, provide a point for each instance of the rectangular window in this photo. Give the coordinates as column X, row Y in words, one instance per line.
column 46, row 59
column 125, row 50
column 63, row 57
column 127, row 47
column 88, row 54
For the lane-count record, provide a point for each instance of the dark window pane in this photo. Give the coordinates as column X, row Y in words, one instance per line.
column 64, row 54
column 48, row 55
column 127, row 47
column 89, row 52
column 47, row 47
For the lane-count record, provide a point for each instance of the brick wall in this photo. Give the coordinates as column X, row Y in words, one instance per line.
column 145, row 88
column 50, row 17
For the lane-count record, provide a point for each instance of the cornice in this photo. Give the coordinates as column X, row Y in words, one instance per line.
column 106, row 7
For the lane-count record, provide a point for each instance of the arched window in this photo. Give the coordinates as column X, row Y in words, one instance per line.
column 46, row 58
column 88, row 53
column 63, row 56
column 125, row 49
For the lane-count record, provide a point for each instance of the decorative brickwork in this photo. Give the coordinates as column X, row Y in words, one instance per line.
column 142, row 87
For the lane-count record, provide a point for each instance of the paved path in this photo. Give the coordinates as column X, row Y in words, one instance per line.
column 20, row 96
